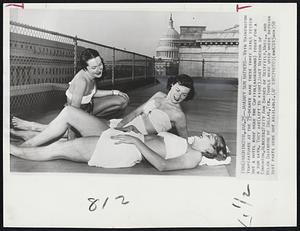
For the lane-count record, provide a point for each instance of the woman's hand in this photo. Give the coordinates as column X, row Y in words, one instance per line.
column 125, row 139
column 122, row 94
column 129, row 128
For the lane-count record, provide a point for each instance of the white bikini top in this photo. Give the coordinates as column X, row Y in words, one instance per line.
column 86, row 98
column 159, row 119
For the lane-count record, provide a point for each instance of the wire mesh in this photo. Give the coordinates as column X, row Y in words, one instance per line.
column 42, row 62
column 123, row 65
column 140, row 67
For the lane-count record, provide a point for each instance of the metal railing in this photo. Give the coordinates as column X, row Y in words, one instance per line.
column 120, row 64
column 42, row 60
column 209, row 68
column 199, row 68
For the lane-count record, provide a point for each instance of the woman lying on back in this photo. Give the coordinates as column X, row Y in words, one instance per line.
column 102, row 146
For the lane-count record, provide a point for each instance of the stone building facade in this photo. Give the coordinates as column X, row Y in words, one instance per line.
column 208, row 53
column 198, row 52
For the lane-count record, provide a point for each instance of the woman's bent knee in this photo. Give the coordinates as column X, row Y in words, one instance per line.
column 123, row 102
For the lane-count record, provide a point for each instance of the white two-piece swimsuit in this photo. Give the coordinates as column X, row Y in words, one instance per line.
column 86, row 101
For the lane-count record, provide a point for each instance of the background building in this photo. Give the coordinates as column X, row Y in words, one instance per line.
column 197, row 52
column 208, row 53
column 167, row 52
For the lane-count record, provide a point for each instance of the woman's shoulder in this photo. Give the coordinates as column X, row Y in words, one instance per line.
column 80, row 78
column 159, row 94
column 178, row 114
column 193, row 155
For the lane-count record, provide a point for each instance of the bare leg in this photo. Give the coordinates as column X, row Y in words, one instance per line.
column 84, row 123
column 79, row 150
column 27, row 125
column 25, row 135
column 109, row 105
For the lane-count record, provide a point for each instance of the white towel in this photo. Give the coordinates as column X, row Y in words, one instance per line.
column 214, row 162
column 138, row 122
column 110, row 155
column 175, row 145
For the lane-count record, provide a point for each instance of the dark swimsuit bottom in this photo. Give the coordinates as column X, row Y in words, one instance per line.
column 88, row 107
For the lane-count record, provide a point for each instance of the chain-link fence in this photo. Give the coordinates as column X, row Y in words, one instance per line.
column 42, row 62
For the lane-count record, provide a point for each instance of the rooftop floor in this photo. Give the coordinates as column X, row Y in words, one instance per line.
column 213, row 109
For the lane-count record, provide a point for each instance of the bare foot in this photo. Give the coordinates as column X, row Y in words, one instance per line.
column 16, row 151
column 27, row 125
column 21, row 124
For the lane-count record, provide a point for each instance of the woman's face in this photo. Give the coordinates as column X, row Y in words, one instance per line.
column 95, row 67
column 178, row 93
column 205, row 142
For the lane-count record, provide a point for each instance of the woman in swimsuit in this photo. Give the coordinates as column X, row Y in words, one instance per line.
column 83, row 93
column 160, row 113
column 163, row 111
column 154, row 148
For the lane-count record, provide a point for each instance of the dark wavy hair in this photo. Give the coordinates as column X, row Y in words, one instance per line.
column 88, row 54
column 220, row 150
column 183, row 80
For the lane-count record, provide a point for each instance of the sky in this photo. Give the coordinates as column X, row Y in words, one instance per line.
column 137, row 31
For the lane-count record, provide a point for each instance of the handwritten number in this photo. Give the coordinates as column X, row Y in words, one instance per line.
column 250, row 221
column 236, row 205
column 242, row 223
column 93, row 205
column 93, row 201
column 123, row 200
column 248, row 191
column 243, row 202
column 104, row 202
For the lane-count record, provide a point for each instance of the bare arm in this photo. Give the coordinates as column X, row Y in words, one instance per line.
column 77, row 95
column 102, row 93
column 181, row 126
column 135, row 112
column 130, row 116
column 78, row 92
column 161, row 164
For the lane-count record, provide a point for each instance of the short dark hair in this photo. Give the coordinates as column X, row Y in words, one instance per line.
column 220, row 150
column 88, row 54
column 183, row 80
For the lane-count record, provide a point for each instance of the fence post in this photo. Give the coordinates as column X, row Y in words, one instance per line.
column 75, row 55
column 133, row 63
column 145, row 67
column 153, row 69
column 203, row 61
column 113, row 68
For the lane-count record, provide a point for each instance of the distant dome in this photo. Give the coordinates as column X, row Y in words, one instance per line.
column 167, row 48
column 172, row 33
